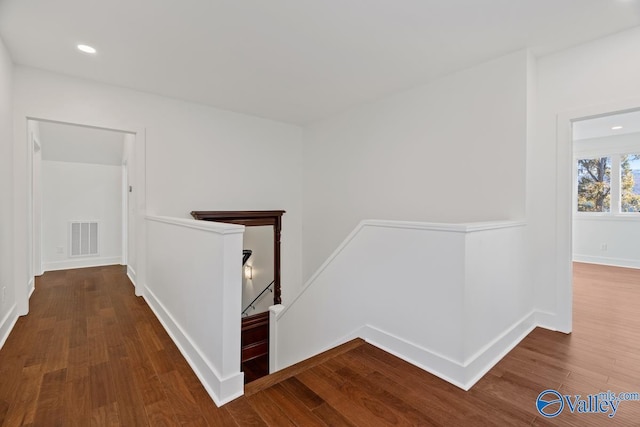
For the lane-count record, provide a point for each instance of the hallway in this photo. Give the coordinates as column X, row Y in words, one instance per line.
column 91, row 353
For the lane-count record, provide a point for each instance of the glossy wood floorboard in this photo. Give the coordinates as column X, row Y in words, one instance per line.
column 91, row 353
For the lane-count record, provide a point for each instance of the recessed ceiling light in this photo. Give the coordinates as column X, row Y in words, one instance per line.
column 616, row 127
column 87, row 49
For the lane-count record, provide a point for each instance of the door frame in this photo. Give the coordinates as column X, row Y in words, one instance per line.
column 24, row 185
column 564, row 202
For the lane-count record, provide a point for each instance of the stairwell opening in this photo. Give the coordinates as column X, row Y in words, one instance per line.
column 261, row 282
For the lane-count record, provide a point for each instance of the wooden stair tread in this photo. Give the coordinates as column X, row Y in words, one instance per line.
column 254, row 343
column 254, row 350
column 286, row 373
column 255, row 320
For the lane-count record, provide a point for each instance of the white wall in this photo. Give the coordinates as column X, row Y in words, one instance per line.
column 81, row 192
column 619, row 235
column 195, row 292
column 449, row 298
column 589, row 79
column 197, row 157
column 450, row 151
column 260, row 241
column 7, row 307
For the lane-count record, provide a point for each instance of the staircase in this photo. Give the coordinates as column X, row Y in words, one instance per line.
column 255, row 346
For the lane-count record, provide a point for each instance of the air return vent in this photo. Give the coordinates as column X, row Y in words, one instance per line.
column 84, row 238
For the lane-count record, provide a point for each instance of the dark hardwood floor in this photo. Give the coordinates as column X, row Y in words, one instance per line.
column 91, row 353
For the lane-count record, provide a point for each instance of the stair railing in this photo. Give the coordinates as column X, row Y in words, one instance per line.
column 251, row 304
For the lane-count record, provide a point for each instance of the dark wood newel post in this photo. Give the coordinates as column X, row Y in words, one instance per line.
column 253, row 219
column 277, row 299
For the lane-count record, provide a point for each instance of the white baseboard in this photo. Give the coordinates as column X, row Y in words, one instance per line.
column 221, row 390
column 81, row 263
column 461, row 374
column 7, row 323
column 480, row 363
column 614, row 262
column 131, row 274
column 31, row 287
column 546, row 320
column 436, row 364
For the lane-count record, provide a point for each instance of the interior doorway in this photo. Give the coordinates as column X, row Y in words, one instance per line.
column 606, row 190
column 82, row 203
column 566, row 181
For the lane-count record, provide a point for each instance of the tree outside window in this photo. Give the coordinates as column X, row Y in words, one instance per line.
column 630, row 183
column 594, row 185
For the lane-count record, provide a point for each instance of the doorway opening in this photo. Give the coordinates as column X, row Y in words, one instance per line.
column 567, row 201
column 83, row 206
column 606, row 191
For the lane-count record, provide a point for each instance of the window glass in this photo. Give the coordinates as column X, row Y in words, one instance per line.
column 630, row 183
column 594, row 185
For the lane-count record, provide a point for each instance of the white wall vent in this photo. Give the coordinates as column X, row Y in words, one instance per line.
column 84, row 238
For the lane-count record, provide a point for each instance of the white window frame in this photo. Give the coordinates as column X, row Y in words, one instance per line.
column 615, row 184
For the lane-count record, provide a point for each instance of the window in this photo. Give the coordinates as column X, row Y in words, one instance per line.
column 594, row 185
column 597, row 192
column 630, row 183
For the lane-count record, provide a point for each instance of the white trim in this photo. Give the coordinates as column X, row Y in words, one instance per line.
column 546, row 320
column 615, row 262
column 441, row 366
column 31, row 286
column 462, row 375
column 7, row 323
column 124, row 196
column 565, row 206
column 357, row 333
column 81, row 263
column 606, row 216
column 438, row 226
column 221, row 390
column 420, row 226
column 210, row 226
column 274, row 312
column 131, row 274
column 485, row 359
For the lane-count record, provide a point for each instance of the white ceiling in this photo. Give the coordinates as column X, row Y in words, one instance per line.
column 292, row 60
column 601, row 126
column 80, row 144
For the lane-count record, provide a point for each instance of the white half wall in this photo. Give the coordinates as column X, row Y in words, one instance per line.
column 194, row 287
column 450, row 151
column 8, row 313
column 450, row 298
column 80, row 192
